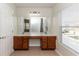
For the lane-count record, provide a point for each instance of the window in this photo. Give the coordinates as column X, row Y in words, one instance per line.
column 70, row 27
column 70, row 37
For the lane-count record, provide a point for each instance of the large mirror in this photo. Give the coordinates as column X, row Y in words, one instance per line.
column 32, row 25
column 37, row 24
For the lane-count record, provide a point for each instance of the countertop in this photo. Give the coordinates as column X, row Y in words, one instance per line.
column 34, row 34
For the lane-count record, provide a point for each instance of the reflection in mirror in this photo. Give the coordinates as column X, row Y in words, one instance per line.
column 37, row 24
column 34, row 24
column 41, row 27
column 27, row 25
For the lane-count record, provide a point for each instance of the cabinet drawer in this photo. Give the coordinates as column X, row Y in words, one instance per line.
column 44, row 42
column 25, row 43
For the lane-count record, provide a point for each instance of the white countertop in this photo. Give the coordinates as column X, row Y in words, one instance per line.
column 34, row 34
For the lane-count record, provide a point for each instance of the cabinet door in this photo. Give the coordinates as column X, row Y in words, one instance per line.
column 44, row 42
column 25, row 42
column 51, row 42
column 17, row 42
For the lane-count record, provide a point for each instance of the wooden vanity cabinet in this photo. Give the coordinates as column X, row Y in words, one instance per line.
column 51, row 42
column 20, row 42
column 48, row 42
column 17, row 42
column 25, row 42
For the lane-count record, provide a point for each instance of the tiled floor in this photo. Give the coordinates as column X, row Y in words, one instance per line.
column 34, row 51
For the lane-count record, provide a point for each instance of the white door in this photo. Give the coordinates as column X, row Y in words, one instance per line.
column 6, row 29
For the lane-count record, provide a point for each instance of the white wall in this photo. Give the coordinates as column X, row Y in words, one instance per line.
column 58, row 12
column 70, row 16
column 24, row 11
column 6, row 28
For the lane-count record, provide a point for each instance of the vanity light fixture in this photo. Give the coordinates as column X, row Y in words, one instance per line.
column 34, row 13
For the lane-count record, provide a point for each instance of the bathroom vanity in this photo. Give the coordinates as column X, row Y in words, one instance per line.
column 34, row 29
column 47, row 41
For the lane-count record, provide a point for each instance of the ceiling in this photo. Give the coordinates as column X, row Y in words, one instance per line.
column 35, row 4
